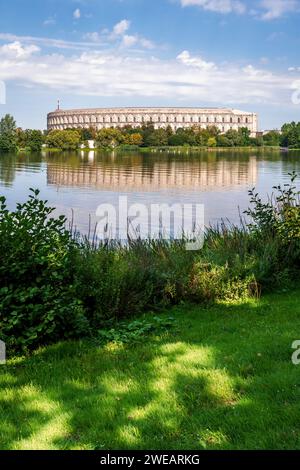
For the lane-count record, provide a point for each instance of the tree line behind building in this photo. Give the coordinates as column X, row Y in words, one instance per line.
column 13, row 138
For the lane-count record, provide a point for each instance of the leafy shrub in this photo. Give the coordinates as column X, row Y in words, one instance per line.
column 211, row 282
column 136, row 330
column 68, row 139
column 37, row 303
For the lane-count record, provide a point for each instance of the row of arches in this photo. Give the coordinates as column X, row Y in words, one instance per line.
column 131, row 119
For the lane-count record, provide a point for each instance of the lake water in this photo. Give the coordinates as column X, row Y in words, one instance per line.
column 81, row 181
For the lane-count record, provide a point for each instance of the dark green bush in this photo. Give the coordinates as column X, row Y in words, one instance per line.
column 37, row 303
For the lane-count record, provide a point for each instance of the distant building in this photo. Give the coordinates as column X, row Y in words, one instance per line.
column 224, row 119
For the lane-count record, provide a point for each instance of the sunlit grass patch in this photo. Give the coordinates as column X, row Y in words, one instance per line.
column 221, row 379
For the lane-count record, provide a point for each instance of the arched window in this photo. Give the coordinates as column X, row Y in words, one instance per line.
column 223, row 119
column 247, row 120
column 239, row 120
column 231, row 120
column 216, row 120
column 167, row 119
column 207, row 119
column 134, row 119
column 199, row 119
column 158, row 118
column 191, row 118
column 183, row 119
column 175, row 119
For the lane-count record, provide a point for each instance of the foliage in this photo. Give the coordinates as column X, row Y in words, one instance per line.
column 136, row 330
column 109, row 138
column 272, row 139
column 291, row 135
column 30, row 139
column 8, row 141
column 63, row 139
column 36, row 295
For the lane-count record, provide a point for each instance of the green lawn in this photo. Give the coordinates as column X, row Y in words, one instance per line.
column 221, row 379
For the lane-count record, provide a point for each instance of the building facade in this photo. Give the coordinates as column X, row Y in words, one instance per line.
column 223, row 118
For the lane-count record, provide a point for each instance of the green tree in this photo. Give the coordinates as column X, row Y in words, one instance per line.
column 290, row 135
column 8, row 134
column 157, row 138
column 272, row 139
column 212, row 142
column 35, row 140
column 63, row 139
column 109, row 138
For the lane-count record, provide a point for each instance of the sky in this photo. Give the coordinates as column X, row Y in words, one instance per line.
column 108, row 53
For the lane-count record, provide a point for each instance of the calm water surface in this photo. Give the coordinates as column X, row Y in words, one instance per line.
column 82, row 181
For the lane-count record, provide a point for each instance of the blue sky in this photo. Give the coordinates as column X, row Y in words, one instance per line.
column 232, row 53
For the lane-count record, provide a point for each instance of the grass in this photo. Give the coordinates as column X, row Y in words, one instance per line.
column 222, row 378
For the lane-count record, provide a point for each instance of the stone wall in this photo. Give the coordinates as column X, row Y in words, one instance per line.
column 224, row 119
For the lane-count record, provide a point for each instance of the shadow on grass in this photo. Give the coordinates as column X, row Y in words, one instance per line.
column 224, row 380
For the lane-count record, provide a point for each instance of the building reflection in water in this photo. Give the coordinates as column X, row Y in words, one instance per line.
column 148, row 173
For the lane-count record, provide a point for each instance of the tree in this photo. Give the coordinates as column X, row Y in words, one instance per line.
column 8, row 134
column 157, row 138
column 88, row 134
column 272, row 139
column 109, row 138
column 64, row 140
column 212, row 142
column 35, row 140
column 291, row 135
column 136, row 139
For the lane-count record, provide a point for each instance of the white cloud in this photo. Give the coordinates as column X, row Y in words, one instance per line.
column 186, row 58
column 55, row 43
column 119, row 35
column 273, row 9
column 50, row 21
column 129, row 41
column 121, row 27
column 77, row 14
column 94, row 36
column 219, row 6
column 262, row 9
column 16, row 50
column 114, row 72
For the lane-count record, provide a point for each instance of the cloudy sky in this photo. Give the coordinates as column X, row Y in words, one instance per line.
column 92, row 53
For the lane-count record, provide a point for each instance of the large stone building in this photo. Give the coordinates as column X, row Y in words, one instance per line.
column 224, row 119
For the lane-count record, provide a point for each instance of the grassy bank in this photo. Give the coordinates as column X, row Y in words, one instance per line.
column 171, row 149
column 221, row 378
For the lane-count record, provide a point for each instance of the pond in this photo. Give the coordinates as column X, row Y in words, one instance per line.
column 76, row 183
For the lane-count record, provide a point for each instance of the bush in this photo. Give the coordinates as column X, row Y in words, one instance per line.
column 37, row 304
column 63, row 139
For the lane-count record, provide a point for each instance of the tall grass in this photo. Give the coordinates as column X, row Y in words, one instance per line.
column 55, row 285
